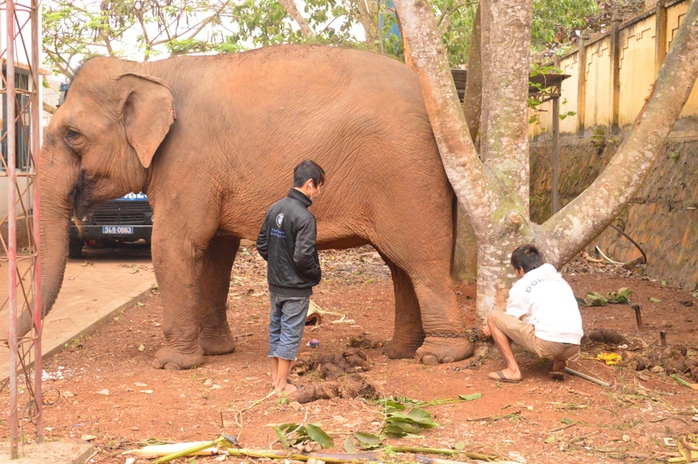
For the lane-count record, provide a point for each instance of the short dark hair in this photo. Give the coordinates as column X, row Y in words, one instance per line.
column 306, row 170
column 526, row 257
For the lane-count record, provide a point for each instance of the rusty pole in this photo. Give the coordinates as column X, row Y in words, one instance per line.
column 36, row 107
column 12, row 222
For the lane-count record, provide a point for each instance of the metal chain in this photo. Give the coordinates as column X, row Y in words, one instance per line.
column 446, row 335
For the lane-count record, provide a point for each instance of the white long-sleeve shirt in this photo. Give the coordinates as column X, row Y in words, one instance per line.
column 543, row 298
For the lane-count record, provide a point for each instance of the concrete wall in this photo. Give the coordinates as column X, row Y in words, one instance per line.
column 612, row 73
column 662, row 217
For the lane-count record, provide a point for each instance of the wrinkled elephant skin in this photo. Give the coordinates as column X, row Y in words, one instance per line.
column 213, row 142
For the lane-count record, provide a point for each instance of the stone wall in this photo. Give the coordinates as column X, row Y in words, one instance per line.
column 662, row 217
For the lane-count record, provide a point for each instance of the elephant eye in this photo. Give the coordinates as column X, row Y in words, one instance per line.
column 73, row 139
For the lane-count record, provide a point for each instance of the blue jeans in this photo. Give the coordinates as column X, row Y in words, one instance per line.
column 286, row 325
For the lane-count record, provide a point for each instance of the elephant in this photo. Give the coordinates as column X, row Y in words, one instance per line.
column 213, row 140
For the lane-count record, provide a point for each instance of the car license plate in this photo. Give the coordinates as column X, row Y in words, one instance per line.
column 117, row 230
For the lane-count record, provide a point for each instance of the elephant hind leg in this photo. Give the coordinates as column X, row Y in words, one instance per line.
column 214, row 336
column 408, row 334
column 425, row 261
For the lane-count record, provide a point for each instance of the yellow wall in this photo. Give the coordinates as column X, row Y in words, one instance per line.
column 599, row 95
column 675, row 16
column 570, row 66
column 636, row 74
column 636, row 68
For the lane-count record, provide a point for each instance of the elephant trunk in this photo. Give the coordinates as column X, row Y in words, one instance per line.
column 57, row 183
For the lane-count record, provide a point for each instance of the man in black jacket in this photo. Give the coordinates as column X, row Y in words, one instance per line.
column 287, row 243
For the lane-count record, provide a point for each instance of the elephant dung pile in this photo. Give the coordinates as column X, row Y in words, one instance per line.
column 340, row 374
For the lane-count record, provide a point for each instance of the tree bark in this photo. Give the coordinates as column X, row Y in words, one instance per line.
column 583, row 219
column 506, row 61
column 292, row 10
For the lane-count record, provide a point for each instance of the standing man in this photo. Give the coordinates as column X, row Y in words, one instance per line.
column 542, row 316
column 287, row 243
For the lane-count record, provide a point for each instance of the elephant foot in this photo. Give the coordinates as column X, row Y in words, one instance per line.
column 437, row 350
column 401, row 349
column 171, row 359
column 215, row 345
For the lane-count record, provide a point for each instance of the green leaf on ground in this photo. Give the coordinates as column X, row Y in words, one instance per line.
column 596, row 299
column 349, row 446
column 472, row 397
column 655, row 300
column 367, row 440
column 318, row 435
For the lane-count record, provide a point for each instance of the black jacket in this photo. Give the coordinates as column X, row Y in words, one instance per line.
column 287, row 243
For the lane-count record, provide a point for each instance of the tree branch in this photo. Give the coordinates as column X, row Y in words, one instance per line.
column 366, row 18
column 292, row 10
column 576, row 225
column 466, row 173
column 472, row 100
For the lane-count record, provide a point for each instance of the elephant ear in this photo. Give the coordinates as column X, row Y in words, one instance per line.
column 148, row 112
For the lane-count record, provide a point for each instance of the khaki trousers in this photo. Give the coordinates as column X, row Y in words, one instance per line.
column 524, row 334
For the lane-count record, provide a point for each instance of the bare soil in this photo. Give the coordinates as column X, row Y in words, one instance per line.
column 103, row 389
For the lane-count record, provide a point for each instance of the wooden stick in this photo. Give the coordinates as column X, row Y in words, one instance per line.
column 587, row 377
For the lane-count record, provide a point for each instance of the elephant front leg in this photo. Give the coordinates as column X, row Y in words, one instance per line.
column 178, row 265
column 215, row 337
column 408, row 334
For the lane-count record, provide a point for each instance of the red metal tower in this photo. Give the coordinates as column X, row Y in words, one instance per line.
column 21, row 138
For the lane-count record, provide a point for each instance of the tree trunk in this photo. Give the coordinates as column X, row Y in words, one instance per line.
column 491, row 193
column 495, row 193
column 506, row 61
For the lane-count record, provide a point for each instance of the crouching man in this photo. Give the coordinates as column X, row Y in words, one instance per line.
column 542, row 316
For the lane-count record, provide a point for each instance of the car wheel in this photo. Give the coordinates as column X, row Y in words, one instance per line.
column 75, row 248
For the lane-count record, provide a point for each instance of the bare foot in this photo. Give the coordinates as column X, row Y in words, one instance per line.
column 286, row 389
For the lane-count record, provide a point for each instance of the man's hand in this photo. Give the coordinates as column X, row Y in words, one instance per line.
column 486, row 331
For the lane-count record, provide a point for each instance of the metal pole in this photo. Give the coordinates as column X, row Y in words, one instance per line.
column 12, row 223
column 36, row 106
column 555, row 162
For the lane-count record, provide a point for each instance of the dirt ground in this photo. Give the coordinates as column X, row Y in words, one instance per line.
column 102, row 388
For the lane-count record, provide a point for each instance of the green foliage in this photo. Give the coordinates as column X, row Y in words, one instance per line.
column 149, row 29
column 455, row 19
column 291, row 434
column 74, row 30
column 401, row 422
column 555, row 20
